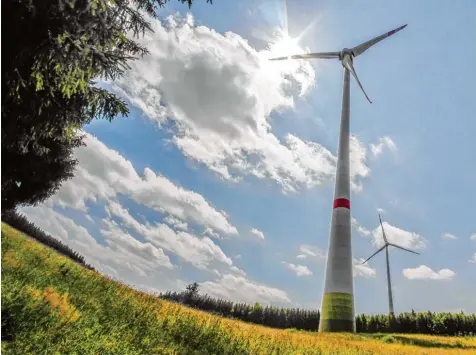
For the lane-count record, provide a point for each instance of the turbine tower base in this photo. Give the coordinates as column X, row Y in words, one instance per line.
column 337, row 313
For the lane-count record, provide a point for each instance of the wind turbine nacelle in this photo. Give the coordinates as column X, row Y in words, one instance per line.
column 346, row 52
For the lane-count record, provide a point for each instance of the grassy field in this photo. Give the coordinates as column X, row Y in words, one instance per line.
column 51, row 305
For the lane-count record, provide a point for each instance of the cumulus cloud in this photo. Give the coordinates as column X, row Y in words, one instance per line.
column 238, row 270
column 211, row 233
column 119, row 252
column 473, row 260
column 257, row 233
column 240, row 289
column 358, row 166
column 406, row 239
column 362, row 270
column 394, row 235
column 448, row 236
column 102, row 174
column 311, row 252
column 361, row 230
column 200, row 252
column 220, row 92
column 381, row 210
column 423, row 272
column 176, row 223
column 384, row 142
column 299, row 270
column 123, row 243
column 473, row 236
column 216, row 272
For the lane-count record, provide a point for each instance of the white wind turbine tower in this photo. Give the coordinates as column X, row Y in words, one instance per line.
column 389, row 282
column 337, row 307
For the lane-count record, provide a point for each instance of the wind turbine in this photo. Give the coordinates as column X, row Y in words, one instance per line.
column 389, row 282
column 337, row 307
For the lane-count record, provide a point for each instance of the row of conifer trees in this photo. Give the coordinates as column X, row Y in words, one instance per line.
column 457, row 324
column 454, row 324
column 20, row 222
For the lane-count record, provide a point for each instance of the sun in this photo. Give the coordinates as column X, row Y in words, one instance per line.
column 285, row 46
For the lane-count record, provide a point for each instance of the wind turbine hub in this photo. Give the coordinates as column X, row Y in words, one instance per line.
column 346, row 52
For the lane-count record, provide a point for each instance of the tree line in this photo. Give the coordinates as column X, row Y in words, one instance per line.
column 21, row 223
column 458, row 324
column 433, row 323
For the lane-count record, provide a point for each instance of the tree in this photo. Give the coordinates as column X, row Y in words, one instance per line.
column 192, row 289
column 31, row 178
column 53, row 54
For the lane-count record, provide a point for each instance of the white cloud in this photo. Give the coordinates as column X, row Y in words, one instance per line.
column 448, row 236
column 176, row 223
column 381, row 210
column 200, row 252
column 220, row 92
column 423, row 272
column 406, row 239
column 362, row 270
column 240, row 289
column 103, row 173
column 473, row 236
column 299, row 270
column 257, row 233
column 238, row 256
column 119, row 252
column 384, row 142
column 122, row 243
column 238, row 270
column 358, row 166
column 361, row 230
column 211, row 233
column 473, row 260
column 311, row 252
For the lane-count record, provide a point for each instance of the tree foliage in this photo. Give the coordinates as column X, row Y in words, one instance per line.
column 444, row 323
column 457, row 324
column 54, row 53
column 269, row 316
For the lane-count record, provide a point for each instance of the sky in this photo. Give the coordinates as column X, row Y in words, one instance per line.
column 223, row 173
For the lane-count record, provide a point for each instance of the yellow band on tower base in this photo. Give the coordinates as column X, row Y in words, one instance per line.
column 337, row 313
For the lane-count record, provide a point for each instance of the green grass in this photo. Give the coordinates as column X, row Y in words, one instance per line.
column 51, row 305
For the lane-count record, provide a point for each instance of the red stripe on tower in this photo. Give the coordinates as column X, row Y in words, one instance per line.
column 342, row 202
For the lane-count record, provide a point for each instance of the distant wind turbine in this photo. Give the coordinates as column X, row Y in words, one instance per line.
column 337, row 307
column 389, row 282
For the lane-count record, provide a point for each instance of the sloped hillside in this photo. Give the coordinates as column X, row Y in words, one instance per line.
column 51, row 305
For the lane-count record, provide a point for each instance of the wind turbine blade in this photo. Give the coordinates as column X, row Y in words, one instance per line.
column 322, row 55
column 350, row 67
column 397, row 246
column 383, row 231
column 361, row 48
column 371, row 256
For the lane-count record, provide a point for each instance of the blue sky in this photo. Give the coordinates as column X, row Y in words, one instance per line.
column 241, row 149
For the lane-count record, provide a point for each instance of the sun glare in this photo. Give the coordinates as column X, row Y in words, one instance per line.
column 283, row 46
column 286, row 46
